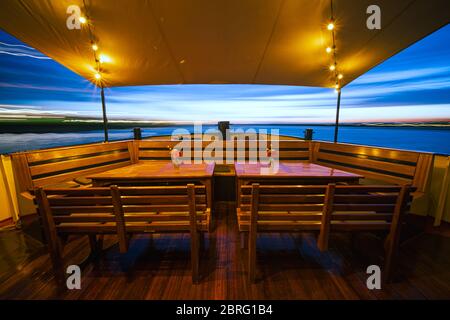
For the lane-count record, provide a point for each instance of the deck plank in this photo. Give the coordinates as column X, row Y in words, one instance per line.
column 289, row 266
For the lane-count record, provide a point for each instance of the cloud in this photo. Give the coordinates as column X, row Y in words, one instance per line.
column 413, row 84
column 19, row 50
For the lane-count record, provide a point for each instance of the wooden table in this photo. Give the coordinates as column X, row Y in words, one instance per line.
column 289, row 173
column 158, row 171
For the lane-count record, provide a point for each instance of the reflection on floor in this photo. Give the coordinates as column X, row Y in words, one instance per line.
column 289, row 267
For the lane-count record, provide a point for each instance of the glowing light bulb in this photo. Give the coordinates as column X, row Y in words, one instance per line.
column 104, row 58
column 94, row 47
column 330, row 26
column 340, row 76
column 336, row 86
column 332, row 67
column 82, row 19
column 328, row 49
column 97, row 76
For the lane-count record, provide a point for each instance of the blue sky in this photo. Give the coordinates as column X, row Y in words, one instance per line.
column 414, row 85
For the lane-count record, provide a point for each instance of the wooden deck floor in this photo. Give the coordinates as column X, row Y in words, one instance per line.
column 289, row 267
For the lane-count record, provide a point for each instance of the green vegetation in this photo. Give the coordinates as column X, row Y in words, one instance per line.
column 43, row 125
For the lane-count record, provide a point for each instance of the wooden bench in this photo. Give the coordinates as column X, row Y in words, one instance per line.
column 121, row 211
column 381, row 164
column 287, row 208
column 59, row 167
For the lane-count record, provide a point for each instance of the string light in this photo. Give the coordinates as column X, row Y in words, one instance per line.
column 98, row 58
column 331, row 49
column 104, row 58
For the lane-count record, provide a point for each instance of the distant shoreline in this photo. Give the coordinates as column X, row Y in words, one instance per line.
column 73, row 125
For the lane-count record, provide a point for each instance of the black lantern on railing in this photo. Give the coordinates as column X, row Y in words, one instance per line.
column 308, row 134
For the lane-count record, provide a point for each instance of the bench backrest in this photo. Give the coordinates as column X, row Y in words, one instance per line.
column 282, row 207
column 239, row 150
column 122, row 210
column 395, row 166
column 324, row 208
column 364, row 208
column 51, row 166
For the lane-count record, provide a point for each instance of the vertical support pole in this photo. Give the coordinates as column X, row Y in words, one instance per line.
column 105, row 119
column 336, row 125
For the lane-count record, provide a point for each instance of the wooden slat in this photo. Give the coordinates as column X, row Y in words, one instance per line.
column 361, row 216
column 74, row 174
column 133, row 150
column 286, row 207
column 273, row 226
column 77, row 163
column 372, row 151
column 165, row 190
column 154, row 154
column 106, row 228
column 369, row 164
column 423, row 170
column 361, row 198
column 163, row 217
column 160, row 208
column 22, row 173
column 95, row 191
column 83, row 218
column 56, row 153
column 298, row 144
column 79, row 201
column 66, row 210
column 366, row 189
column 284, row 216
column 284, row 189
column 157, row 144
column 364, row 207
column 288, row 226
column 322, row 242
column 367, row 174
column 161, row 199
column 293, row 154
column 284, row 198
column 442, row 194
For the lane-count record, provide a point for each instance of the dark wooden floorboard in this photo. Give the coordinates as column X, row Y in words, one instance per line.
column 289, row 266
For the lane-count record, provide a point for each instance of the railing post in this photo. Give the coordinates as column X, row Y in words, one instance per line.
column 137, row 133
column 223, row 126
column 308, row 134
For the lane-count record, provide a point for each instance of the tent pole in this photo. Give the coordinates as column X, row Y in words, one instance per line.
column 105, row 119
column 336, row 125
